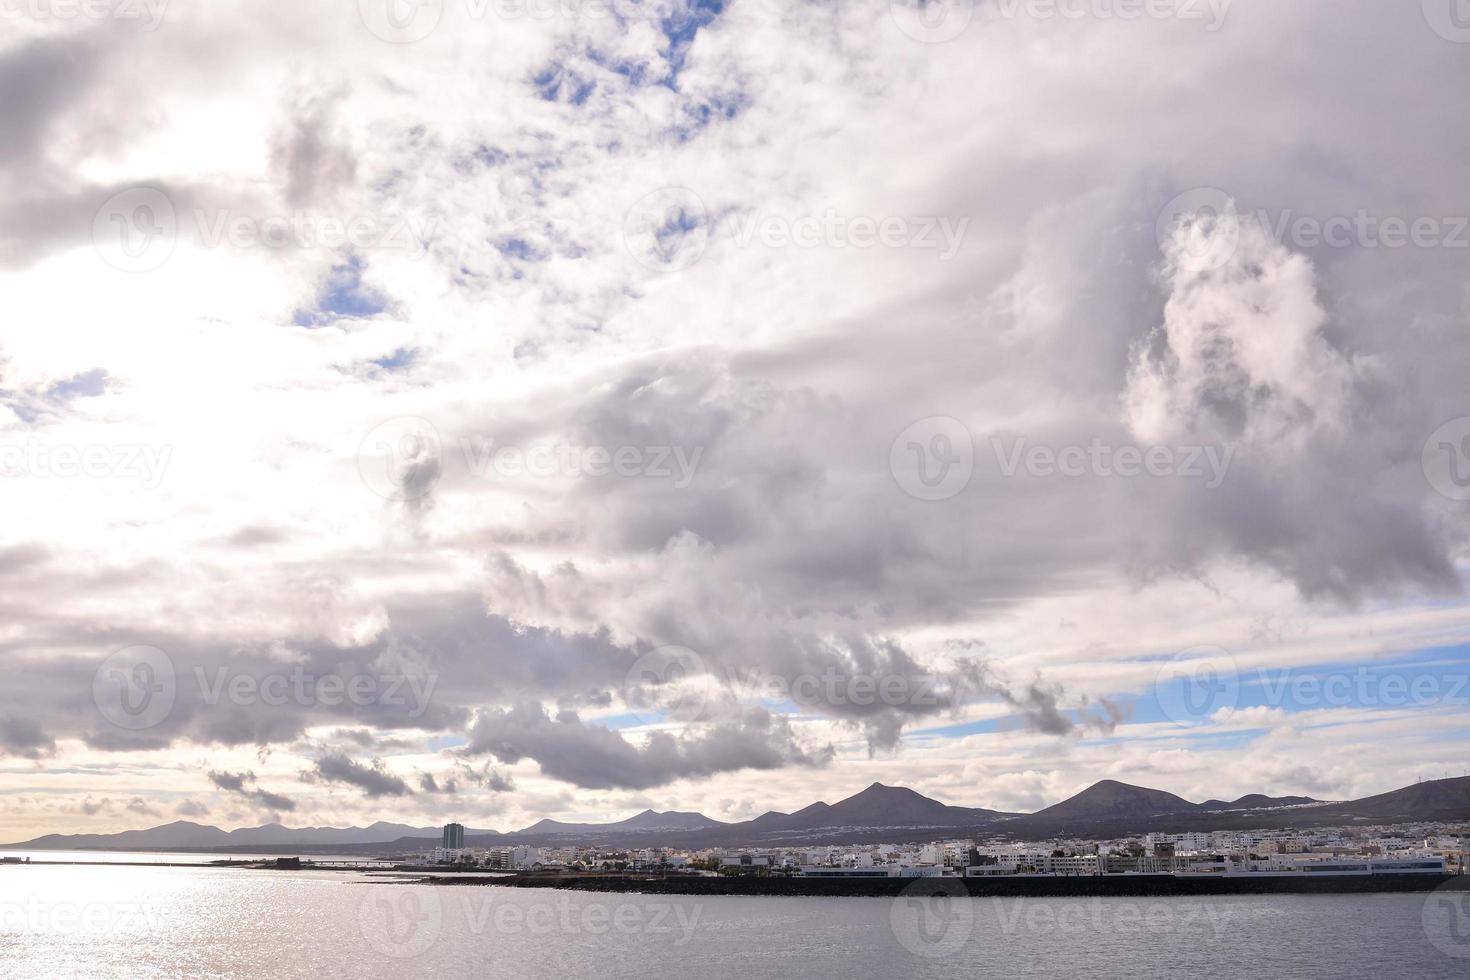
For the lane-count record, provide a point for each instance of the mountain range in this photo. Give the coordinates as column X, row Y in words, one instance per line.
column 890, row 813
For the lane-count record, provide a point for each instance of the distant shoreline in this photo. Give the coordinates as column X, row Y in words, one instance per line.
column 1088, row 886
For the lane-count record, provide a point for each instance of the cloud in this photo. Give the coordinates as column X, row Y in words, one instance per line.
column 375, row 781
column 142, row 807
column 243, row 784
column 580, row 273
column 593, row 756
column 23, row 737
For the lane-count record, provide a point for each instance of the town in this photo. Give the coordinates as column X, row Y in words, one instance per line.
column 1429, row 848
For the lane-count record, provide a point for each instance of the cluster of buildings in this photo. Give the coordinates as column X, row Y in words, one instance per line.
column 1329, row 851
column 452, row 850
column 1427, row 849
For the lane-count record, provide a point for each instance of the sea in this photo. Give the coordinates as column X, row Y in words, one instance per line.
column 108, row 919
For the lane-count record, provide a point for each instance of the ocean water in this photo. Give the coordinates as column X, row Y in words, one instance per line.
column 107, row 921
column 167, row 857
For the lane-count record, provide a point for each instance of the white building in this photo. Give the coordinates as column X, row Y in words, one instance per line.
column 1182, row 843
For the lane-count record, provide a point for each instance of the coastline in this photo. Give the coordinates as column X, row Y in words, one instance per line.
column 1126, row 886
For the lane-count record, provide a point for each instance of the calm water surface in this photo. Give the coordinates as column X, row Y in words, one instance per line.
column 116, row 922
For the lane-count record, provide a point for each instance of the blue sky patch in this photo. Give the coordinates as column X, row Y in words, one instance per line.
column 343, row 295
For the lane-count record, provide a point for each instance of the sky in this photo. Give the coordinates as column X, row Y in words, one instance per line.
column 489, row 410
